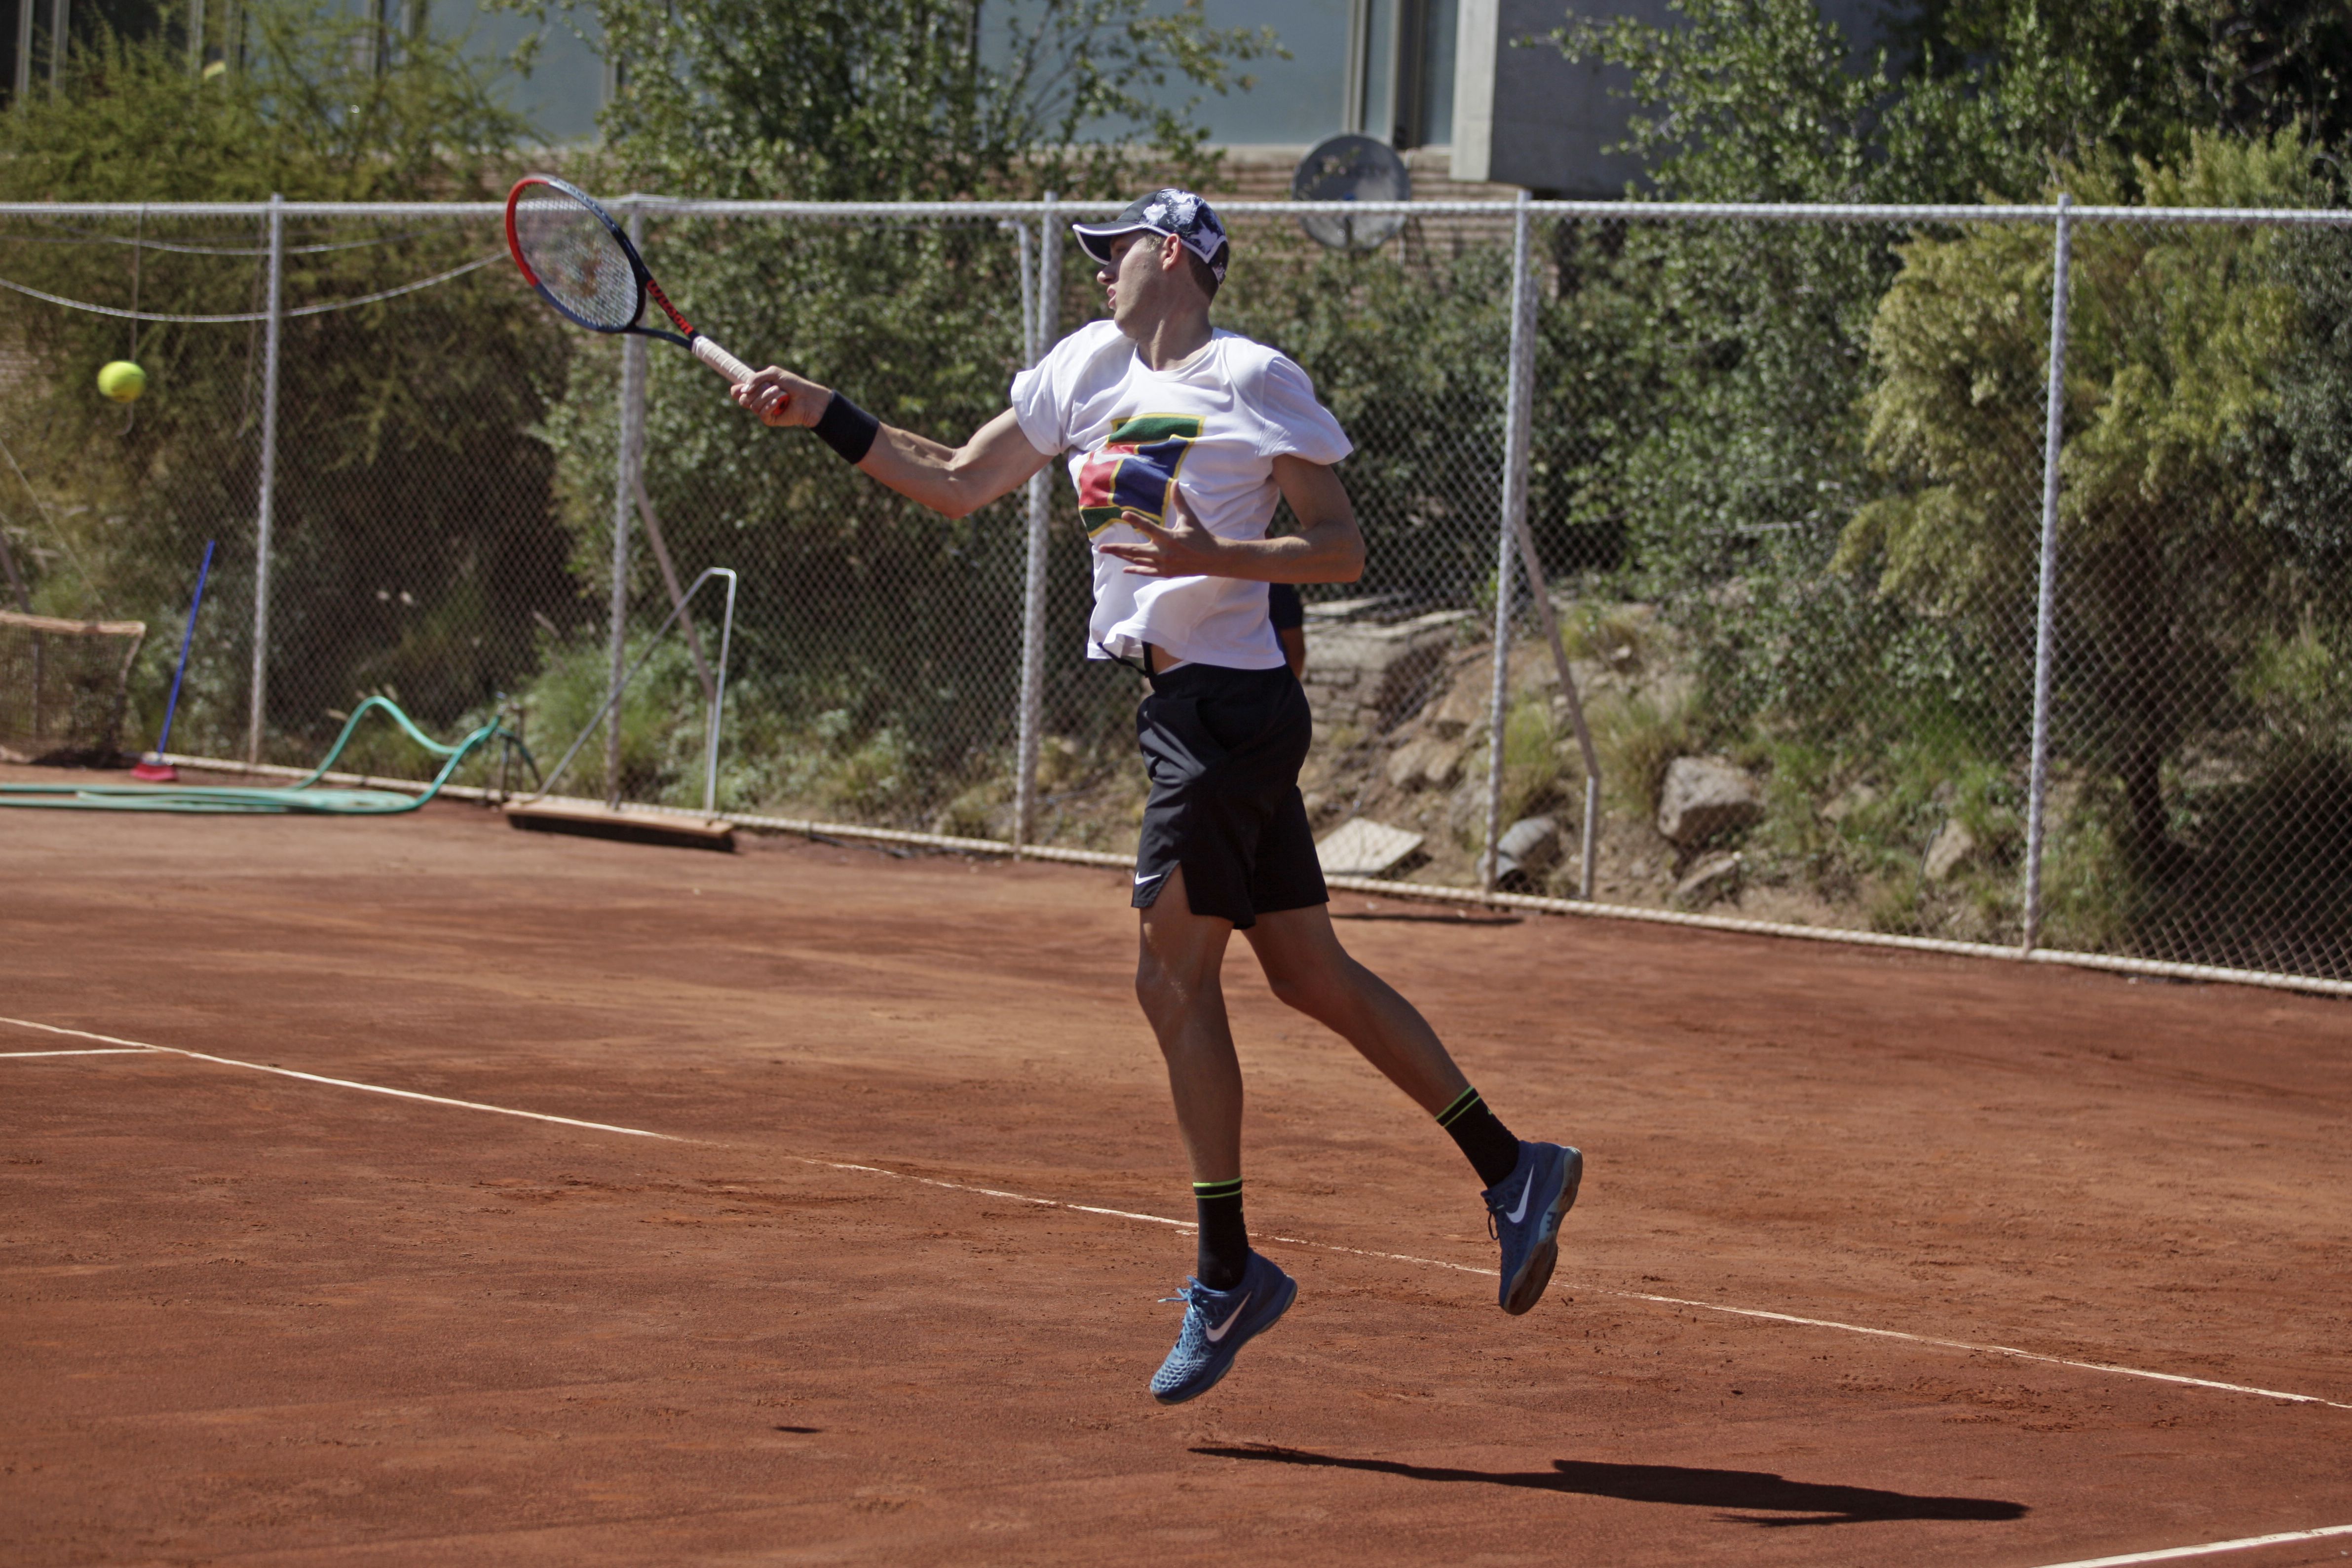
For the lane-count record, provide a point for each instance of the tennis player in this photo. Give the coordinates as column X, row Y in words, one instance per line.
column 1286, row 612
column 1180, row 439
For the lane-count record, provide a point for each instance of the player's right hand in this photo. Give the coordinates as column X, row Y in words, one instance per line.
column 782, row 399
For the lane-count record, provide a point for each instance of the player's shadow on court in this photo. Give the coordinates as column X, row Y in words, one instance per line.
column 1754, row 1491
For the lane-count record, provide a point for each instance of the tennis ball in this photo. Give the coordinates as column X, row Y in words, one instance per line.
column 121, row 380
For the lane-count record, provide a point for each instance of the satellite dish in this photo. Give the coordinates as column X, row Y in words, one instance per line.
column 1350, row 168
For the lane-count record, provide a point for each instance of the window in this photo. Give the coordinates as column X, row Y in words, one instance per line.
column 1401, row 71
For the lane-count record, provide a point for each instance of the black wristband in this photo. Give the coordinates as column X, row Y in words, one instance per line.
column 844, row 427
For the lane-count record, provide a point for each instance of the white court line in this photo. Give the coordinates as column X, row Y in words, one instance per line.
column 1187, row 1225
column 348, row 1083
column 1990, row 1350
column 100, row 1051
column 2245, row 1543
column 1130, row 1213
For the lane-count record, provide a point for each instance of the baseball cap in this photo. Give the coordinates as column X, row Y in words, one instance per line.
column 1167, row 210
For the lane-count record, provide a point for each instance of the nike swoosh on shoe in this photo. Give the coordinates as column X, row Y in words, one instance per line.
column 1218, row 1333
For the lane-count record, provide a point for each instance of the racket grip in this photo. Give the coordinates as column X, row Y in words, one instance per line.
column 719, row 360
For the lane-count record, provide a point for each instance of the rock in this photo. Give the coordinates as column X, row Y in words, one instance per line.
column 1704, row 796
column 1363, row 848
column 1373, row 677
column 1442, row 764
column 1466, row 809
column 1467, row 697
column 1952, row 848
column 1525, row 852
column 1860, row 797
column 1426, row 761
column 1715, row 878
column 1332, row 612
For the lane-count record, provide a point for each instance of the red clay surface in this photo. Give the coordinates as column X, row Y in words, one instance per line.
column 251, row 1318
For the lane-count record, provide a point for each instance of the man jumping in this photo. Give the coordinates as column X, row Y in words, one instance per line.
column 1181, row 439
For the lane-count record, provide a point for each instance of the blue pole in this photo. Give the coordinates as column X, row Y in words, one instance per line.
column 186, row 637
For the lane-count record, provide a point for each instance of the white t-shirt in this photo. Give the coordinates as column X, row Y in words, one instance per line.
column 1214, row 425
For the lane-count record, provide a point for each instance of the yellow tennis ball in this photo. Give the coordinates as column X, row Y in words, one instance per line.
column 121, row 380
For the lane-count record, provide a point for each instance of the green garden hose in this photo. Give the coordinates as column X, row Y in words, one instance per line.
column 210, row 799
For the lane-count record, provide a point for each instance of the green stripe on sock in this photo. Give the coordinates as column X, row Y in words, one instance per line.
column 1231, row 1189
column 1460, row 1108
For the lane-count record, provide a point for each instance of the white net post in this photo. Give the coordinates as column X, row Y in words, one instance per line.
column 1517, row 392
column 2046, row 599
column 625, row 494
column 271, row 340
column 1041, row 294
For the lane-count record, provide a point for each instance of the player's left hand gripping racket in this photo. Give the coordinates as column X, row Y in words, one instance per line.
column 571, row 251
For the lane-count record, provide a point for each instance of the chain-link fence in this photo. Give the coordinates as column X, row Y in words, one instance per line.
column 1846, row 624
column 348, row 401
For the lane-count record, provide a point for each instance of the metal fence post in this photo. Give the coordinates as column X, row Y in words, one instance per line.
column 1041, row 319
column 1517, row 393
column 2046, row 594
column 625, row 495
column 1518, row 442
column 21, row 89
column 267, row 501
column 1588, row 838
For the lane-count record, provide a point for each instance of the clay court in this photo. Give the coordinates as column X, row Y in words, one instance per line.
column 845, row 1253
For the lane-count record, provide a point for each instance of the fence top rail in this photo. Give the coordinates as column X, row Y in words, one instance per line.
column 1771, row 212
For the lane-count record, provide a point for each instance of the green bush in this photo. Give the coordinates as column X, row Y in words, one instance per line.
column 2174, row 347
column 414, row 543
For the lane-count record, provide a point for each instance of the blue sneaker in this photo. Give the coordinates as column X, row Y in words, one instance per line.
column 1526, row 1209
column 1217, row 1323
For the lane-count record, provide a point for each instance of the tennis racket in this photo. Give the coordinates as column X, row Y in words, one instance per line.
column 571, row 251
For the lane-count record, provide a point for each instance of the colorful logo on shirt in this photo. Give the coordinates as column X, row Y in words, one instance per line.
column 1132, row 471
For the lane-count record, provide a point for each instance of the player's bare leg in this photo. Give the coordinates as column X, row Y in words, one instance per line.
column 1237, row 1294
column 1529, row 1186
column 1178, row 981
column 1307, row 969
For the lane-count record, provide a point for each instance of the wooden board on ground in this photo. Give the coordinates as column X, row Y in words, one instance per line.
column 630, row 825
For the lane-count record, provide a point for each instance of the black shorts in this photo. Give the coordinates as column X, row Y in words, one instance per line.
column 1223, row 748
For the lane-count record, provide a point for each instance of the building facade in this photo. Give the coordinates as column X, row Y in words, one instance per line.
column 1448, row 81
column 1451, row 74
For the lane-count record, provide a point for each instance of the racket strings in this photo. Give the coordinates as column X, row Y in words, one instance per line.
column 576, row 259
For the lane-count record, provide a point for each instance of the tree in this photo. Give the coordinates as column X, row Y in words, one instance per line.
column 2176, row 337
column 1749, row 342
column 905, row 100
column 909, row 100
column 1764, row 101
column 396, row 565
column 2007, row 87
column 306, row 114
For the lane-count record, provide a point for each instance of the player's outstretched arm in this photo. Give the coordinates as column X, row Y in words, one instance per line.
column 955, row 480
column 1328, row 548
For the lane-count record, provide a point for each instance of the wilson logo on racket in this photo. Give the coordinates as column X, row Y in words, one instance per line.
column 1132, row 471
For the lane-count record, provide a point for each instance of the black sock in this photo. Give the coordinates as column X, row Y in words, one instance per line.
column 1488, row 1144
column 1225, row 1239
